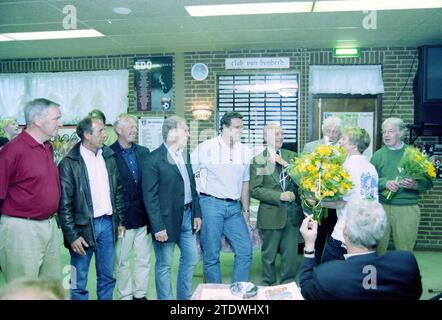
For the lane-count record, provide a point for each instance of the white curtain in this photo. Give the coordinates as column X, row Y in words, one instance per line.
column 13, row 96
column 359, row 79
column 76, row 92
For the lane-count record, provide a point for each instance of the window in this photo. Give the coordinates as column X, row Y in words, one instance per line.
column 77, row 93
column 261, row 98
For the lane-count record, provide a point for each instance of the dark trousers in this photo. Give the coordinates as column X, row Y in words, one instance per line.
column 284, row 241
column 324, row 232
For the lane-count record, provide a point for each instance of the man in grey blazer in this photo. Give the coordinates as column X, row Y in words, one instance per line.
column 172, row 204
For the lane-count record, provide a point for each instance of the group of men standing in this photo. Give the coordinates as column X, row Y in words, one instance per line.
column 109, row 199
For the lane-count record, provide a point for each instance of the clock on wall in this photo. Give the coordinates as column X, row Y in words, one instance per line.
column 200, row 71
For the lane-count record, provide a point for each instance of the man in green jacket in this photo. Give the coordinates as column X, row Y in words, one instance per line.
column 279, row 207
column 403, row 213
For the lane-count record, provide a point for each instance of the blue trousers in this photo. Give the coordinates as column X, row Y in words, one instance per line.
column 187, row 264
column 104, row 263
column 224, row 217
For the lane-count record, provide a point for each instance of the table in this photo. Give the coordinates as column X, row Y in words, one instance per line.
column 217, row 291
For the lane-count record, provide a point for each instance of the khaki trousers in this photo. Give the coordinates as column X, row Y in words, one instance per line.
column 29, row 248
column 403, row 224
column 129, row 287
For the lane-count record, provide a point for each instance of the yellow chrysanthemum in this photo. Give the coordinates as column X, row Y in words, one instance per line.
column 323, row 150
column 320, row 175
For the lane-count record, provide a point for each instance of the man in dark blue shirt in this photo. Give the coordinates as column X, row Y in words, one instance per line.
column 129, row 158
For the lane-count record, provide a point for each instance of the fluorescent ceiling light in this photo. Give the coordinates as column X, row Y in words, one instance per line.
column 47, row 35
column 3, row 38
column 121, row 10
column 361, row 5
column 249, row 8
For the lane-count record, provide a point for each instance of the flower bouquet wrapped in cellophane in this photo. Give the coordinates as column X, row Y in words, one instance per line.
column 320, row 177
column 413, row 165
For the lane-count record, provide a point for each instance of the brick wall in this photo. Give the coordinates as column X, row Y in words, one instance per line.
column 397, row 62
column 80, row 64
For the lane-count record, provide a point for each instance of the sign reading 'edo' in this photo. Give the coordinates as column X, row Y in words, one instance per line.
column 258, row 63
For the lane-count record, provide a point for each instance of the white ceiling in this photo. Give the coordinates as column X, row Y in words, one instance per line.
column 157, row 26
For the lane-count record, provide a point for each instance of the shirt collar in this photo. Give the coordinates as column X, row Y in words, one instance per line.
column 356, row 156
column 272, row 151
column 89, row 153
column 176, row 153
column 224, row 145
column 397, row 148
column 131, row 149
column 30, row 140
column 349, row 255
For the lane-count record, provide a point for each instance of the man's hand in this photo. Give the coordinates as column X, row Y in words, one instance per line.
column 287, row 196
column 77, row 246
column 309, row 231
column 197, row 224
column 408, row 184
column 121, row 231
column 246, row 214
column 311, row 201
column 392, row 185
column 161, row 236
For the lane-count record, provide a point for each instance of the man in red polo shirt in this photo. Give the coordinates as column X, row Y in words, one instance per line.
column 29, row 197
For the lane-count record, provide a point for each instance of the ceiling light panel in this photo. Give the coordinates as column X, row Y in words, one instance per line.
column 49, row 35
column 361, row 5
column 249, row 8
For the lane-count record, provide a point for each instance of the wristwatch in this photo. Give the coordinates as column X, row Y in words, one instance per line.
column 309, row 252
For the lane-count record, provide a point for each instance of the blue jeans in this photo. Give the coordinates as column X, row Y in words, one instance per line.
column 104, row 263
column 334, row 250
column 187, row 264
column 224, row 217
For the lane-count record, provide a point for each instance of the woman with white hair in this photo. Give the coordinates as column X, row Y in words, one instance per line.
column 365, row 187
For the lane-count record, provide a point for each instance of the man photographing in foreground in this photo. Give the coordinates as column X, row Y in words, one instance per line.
column 363, row 275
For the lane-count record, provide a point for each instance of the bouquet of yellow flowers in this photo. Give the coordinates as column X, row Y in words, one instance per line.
column 413, row 165
column 320, row 177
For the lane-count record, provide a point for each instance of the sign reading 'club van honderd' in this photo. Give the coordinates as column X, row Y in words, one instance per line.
column 258, row 63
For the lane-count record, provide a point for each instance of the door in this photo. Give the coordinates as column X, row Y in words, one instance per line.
column 355, row 110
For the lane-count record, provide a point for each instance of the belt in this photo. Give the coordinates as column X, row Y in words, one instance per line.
column 103, row 216
column 27, row 218
column 224, row 199
column 188, row 206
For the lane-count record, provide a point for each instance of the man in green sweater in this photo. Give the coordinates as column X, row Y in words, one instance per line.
column 403, row 213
